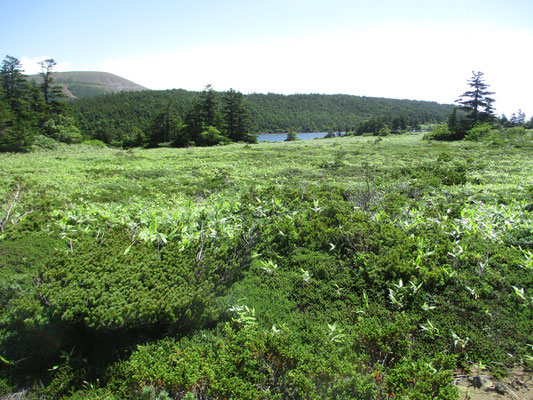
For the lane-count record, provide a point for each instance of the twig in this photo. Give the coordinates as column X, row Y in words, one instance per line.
column 199, row 255
column 22, row 216
column 3, row 223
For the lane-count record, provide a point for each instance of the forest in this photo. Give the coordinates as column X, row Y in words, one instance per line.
column 110, row 117
column 198, row 264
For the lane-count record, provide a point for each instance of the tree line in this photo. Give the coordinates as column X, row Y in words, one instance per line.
column 124, row 118
column 35, row 112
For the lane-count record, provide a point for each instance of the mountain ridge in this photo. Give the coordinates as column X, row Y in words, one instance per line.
column 82, row 84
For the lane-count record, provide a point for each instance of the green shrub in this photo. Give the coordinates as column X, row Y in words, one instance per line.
column 441, row 132
column 44, row 142
column 212, row 137
column 63, row 130
column 110, row 284
column 249, row 363
column 421, row 380
column 478, row 132
column 95, row 143
column 291, row 136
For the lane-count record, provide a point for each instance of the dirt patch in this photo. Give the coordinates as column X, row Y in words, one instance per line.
column 479, row 385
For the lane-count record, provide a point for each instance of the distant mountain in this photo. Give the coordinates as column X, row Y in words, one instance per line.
column 81, row 84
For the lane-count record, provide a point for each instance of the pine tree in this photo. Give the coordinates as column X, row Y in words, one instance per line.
column 203, row 114
column 19, row 120
column 194, row 124
column 164, row 128
column 51, row 92
column 16, row 88
column 476, row 102
column 235, row 116
column 210, row 105
column 518, row 119
column 6, row 117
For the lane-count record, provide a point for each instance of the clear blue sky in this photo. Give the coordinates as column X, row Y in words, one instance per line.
column 403, row 49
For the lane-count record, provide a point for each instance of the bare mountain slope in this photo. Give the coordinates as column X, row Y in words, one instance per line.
column 79, row 84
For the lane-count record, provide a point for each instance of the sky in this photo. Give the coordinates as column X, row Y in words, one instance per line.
column 409, row 49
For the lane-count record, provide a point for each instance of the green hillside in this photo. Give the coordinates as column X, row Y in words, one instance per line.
column 114, row 117
column 80, row 84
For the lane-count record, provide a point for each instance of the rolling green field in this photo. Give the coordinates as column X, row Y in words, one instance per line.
column 345, row 268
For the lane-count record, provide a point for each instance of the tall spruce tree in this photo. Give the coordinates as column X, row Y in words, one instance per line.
column 194, row 124
column 203, row 114
column 476, row 102
column 164, row 127
column 51, row 92
column 235, row 116
column 20, row 120
column 16, row 88
column 210, row 107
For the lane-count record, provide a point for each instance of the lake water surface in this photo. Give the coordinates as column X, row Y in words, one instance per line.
column 280, row 137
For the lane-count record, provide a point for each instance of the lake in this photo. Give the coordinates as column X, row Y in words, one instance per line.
column 280, row 137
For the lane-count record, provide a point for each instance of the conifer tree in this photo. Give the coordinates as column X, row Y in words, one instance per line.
column 19, row 119
column 476, row 102
column 51, row 92
column 164, row 128
column 210, row 105
column 15, row 86
column 235, row 115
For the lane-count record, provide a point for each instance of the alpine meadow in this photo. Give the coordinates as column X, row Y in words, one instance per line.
column 151, row 248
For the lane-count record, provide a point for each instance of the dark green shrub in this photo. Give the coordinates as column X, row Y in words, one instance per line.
column 441, row 132
column 291, row 136
column 249, row 363
column 421, row 380
column 95, row 143
column 110, row 284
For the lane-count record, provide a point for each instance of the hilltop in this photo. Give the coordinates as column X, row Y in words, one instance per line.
column 81, row 84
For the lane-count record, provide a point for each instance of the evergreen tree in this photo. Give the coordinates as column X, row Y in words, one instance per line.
column 235, row 116
column 203, row 114
column 194, row 124
column 15, row 86
column 164, row 128
column 458, row 124
column 46, row 74
column 504, row 121
column 27, row 110
column 20, row 120
column 7, row 118
column 210, row 105
column 476, row 102
column 291, row 136
column 51, row 93
column 12, row 78
column 13, row 136
column 518, row 119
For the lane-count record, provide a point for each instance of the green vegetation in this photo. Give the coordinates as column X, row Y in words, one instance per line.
column 115, row 118
column 474, row 118
column 30, row 113
column 342, row 268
